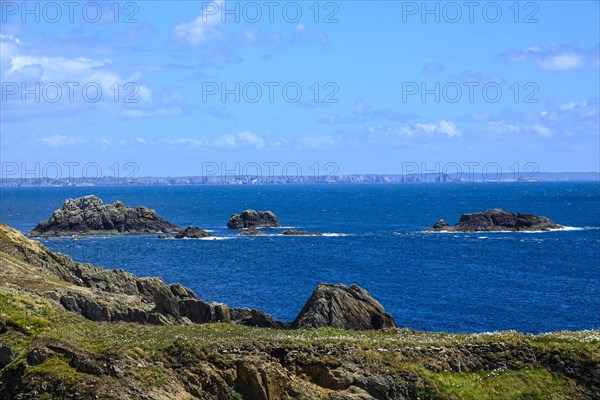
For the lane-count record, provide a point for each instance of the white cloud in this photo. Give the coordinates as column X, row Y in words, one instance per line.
column 444, row 127
column 58, row 141
column 556, row 57
column 541, row 130
column 69, row 80
column 448, row 128
column 241, row 139
column 203, row 29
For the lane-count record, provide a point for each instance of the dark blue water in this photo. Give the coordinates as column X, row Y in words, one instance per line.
column 531, row 282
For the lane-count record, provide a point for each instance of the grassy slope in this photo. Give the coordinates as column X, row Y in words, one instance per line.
column 143, row 351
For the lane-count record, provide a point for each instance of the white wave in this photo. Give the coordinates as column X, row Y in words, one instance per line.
column 334, row 234
column 561, row 229
column 564, row 228
column 219, row 238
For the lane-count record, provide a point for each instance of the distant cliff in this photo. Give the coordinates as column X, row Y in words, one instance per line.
column 304, row 179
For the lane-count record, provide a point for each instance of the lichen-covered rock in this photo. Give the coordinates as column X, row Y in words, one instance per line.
column 497, row 220
column 89, row 215
column 250, row 219
column 345, row 307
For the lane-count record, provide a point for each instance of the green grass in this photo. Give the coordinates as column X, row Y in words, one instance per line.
column 524, row 384
column 32, row 319
column 58, row 367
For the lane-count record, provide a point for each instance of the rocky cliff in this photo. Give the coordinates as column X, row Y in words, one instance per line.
column 496, row 220
column 75, row 331
column 89, row 215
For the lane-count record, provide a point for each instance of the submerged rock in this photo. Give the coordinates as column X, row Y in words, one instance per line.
column 253, row 232
column 345, row 307
column 89, row 215
column 496, row 220
column 294, row 232
column 250, row 219
column 192, row 233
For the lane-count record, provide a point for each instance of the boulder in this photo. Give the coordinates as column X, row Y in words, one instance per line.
column 192, row 233
column 439, row 226
column 345, row 307
column 250, row 219
column 7, row 355
column 182, row 292
column 89, row 215
column 253, row 317
column 497, row 220
column 201, row 312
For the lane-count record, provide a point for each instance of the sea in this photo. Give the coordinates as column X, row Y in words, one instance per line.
column 372, row 236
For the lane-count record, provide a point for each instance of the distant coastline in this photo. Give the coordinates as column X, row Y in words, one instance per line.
column 295, row 180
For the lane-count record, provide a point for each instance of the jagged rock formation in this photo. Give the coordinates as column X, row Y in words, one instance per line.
column 113, row 295
column 496, row 220
column 89, row 215
column 345, row 307
column 294, row 232
column 250, row 219
column 116, row 295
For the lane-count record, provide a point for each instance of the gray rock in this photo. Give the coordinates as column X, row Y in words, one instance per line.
column 441, row 225
column 201, row 312
column 182, row 292
column 294, row 232
column 345, row 307
column 192, row 233
column 250, row 219
column 253, row 317
column 253, row 232
column 7, row 355
column 497, row 220
column 89, row 215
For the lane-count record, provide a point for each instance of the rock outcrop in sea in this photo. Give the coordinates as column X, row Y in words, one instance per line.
column 294, row 232
column 250, row 219
column 496, row 220
column 89, row 215
column 188, row 233
column 345, row 307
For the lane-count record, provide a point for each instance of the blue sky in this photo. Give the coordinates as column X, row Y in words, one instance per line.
column 367, row 86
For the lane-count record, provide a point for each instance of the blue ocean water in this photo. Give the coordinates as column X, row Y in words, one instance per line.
column 531, row 282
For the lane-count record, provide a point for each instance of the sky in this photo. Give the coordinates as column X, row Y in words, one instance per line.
column 181, row 88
